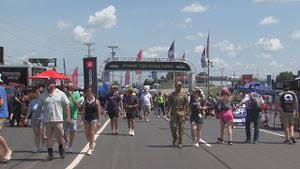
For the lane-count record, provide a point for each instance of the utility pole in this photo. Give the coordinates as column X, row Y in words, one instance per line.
column 89, row 48
column 222, row 69
column 113, row 53
column 209, row 64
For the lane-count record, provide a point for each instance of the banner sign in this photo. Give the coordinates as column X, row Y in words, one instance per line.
column 240, row 116
column 140, row 65
column 90, row 73
column 17, row 75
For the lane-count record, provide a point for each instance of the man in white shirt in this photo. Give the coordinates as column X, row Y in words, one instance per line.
column 253, row 101
column 52, row 103
column 146, row 103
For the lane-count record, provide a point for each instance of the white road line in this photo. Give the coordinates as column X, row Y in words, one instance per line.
column 80, row 156
column 202, row 141
column 271, row 132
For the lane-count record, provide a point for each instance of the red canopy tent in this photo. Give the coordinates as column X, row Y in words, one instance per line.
column 50, row 74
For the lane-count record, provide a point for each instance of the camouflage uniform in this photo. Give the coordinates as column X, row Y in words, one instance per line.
column 178, row 102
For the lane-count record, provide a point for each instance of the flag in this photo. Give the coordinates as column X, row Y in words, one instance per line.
column 207, row 46
column 203, row 64
column 171, row 52
column 127, row 77
column 75, row 76
column 139, row 58
column 183, row 57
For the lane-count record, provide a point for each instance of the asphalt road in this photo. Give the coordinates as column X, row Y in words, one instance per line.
column 151, row 148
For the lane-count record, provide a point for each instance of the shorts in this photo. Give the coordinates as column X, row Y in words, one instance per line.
column 72, row 127
column 2, row 122
column 287, row 118
column 196, row 119
column 147, row 108
column 54, row 128
column 131, row 114
column 113, row 114
column 226, row 116
column 91, row 121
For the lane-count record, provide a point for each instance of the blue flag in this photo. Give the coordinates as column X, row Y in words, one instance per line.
column 203, row 62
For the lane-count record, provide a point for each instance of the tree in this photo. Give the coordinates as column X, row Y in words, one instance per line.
column 284, row 76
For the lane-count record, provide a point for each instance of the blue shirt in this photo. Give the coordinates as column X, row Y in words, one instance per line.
column 3, row 109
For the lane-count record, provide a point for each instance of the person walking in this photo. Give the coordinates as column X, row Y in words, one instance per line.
column 3, row 116
column 177, row 109
column 38, row 131
column 253, row 101
column 70, row 130
column 131, row 106
column 114, row 106
column 147, row 103
column 51, row 103
column 91, row 110
column 17, row 106
column 197, row 108
column 226, row 116
column 289, row 113
column 161, row 104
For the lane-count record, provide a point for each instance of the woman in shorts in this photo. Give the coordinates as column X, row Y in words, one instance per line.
column 197, row 116
column 226, row 116
column 37, row 126
column 91, row 114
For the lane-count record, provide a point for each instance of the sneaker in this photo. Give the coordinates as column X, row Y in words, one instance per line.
column 132, row 133
column 62, row 153
column 147, row 120
column 158, row 116
column 164, row 116
column 247, row 141
column 66, row 145
column 293, row 140
column 255, row 142
column 50, row 158
column 89, row 152
column 70, row 150
column 286, row 142
column 220, row 140
column 196, row 145
column 229, row 142
column 180, row 146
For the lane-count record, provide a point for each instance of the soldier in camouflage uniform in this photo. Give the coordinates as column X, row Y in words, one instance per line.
column 178, row 103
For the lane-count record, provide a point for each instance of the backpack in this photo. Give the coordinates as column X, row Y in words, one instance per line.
column 288, row 102
column 217, row 105
column 254, row 103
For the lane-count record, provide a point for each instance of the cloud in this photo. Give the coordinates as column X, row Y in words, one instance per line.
column 272, row 44
column 295, row 35
column 62, row 25
column 156, row 52
column 264, row 56
column 228, row 47
column 195, row 37
column 220, row 63
column 188, row 20
column 273, row 63
column 269, row 21
column 81, row 34
column 105, row 18
column 239, row 64
column 193, row 8
column 199, row 49
column 187, row 23
column 275, row 1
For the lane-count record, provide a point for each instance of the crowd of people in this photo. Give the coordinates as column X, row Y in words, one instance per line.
column 55, row 112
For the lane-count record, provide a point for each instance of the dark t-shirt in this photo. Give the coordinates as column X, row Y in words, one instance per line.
column 195, row 106
column 18, row 94
column 225, row 105
column 113, row 102
column 130, row 101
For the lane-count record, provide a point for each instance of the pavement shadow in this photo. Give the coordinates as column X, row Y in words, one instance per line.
column 110, row 134
column 166, row 146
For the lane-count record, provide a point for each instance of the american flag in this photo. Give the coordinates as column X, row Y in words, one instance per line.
column 203, row 64
column 171, row 52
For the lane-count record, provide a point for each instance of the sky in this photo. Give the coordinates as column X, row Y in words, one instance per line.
column 258, row 37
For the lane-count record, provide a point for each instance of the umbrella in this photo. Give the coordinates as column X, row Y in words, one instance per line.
column 49, row 74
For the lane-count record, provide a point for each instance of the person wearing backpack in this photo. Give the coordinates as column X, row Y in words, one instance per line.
column 288, row 113
column 253, row 101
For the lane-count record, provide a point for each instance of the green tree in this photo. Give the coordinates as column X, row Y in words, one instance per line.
column 283, row 76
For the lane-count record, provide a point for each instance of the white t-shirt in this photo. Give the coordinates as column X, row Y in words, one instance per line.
column 146, row 98
column 247, row 97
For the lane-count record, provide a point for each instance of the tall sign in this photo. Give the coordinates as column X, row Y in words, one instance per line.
column 1, row 55
column 90, row 73
column 247, row 78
